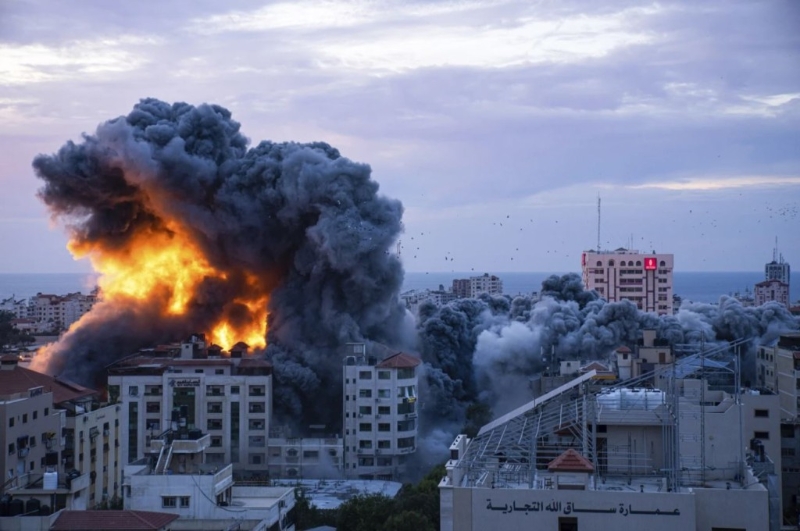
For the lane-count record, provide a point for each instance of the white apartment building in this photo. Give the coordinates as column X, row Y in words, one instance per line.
column 771, row 290
column 485, row 283
column 197, row 387
column 380, row 413
column 59, row 312
column 176, row 478
column 644, row 279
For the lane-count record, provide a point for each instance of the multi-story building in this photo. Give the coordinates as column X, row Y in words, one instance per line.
column 778, row 268
column 771, row 290
column 62, row 444
column 18, row 307
column 194, row 385
column 473, row 286
column 305, row 457
column 622, row 458
column 59, row 312
column 644, row 279
column 380, row 412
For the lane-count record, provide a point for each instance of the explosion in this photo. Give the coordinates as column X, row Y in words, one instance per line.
column 193, row 231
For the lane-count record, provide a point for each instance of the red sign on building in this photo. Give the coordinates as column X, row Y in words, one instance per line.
column 650, row 264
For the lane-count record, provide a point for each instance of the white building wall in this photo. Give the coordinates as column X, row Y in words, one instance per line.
column 214, row 396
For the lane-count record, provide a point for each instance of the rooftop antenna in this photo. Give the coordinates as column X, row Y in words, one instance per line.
column 598, row 223
column 775, row 251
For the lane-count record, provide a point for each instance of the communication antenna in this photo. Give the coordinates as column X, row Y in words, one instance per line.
column 598, row 223
column 399, row 248
column 775, row 251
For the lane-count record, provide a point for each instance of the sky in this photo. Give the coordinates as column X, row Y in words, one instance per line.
column 498, row 124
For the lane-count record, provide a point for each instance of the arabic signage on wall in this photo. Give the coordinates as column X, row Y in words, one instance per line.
column 184, row 382
column 512, row 509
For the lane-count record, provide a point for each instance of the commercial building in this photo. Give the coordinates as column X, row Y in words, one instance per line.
column 200, row 387
column 380, row 412
column 61, row 444
column 644, row 279
column 771, row 290
column 305, row 457
column 625, row 457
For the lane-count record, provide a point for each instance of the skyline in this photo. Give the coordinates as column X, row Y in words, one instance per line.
column 685, row 127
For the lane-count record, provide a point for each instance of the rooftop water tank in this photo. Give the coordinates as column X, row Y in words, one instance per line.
column 50, row 480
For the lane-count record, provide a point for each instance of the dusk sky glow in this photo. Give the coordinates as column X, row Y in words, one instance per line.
column 496, row 123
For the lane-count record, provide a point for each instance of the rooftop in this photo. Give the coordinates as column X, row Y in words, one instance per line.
column 112, row 521
column 330, row 494
column 18, row 379
column 401, row 360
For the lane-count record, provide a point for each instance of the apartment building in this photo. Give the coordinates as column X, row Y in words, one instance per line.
column 199, row 387
column 474, row 286
column 771, row 290
column 380, row 412
column 59, row 312
column 306, row 457
column 62, row 445
column 644, row 279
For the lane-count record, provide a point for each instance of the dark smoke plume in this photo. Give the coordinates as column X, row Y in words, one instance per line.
column 307, row 222
column 487, row 349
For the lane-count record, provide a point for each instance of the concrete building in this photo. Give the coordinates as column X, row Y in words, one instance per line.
column 473, row 286
column 199, row 386
column 380, row 412
column 771, row 290
column 59, row 312
column 305, row 457
column 62, row 444
column 778, row 269
column 644, row 279
column 176, row 477
column 623, row 458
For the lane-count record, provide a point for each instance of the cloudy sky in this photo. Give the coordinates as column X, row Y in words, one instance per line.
column 496, row 123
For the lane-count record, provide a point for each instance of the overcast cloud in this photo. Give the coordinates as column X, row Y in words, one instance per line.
column 683, row 116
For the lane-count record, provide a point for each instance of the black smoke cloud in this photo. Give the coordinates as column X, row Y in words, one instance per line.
column 488, row 348
column 305, row 220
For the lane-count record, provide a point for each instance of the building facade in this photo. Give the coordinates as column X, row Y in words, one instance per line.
column 644, row 279
column 472, row 287
column 380, row 413
column 771, row 290
column 62, row 443
column 193, row 385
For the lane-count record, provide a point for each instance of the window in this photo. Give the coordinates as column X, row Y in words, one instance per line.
column 365, row 410
column 133, row 390
column 214, row 407
column 256, row 424
column 365, row 426
column 234, row 389
column 406, row 408
column 787, row 452
column 214, row 424
column 384, row 393
column 384, row 375
column 405, row 442
column 153, row 407
column 169, row 502
column 366, row 461
column 216, row 441
column 405, row 425
column 384, row 461
column 763, row 413
column 763, row 435
column 257, row 407
column 219, row 371
column 24, row 418
column 365, row 444
column 255, row 459
column 365, row 393
column 365, row 375
column 257, row 441
column 384, row 410
column 384, row 444
column 198, row 371
column 11, row 422
column 384, row 426
column 257, row 390
column 310, row 454
column 406, row 373
column 184, row 501
column 787, row 431
column 35, row 415
column 11, row 448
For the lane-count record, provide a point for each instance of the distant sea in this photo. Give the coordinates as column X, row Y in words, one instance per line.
column 698, row 287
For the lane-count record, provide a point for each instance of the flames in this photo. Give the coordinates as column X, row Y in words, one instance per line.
column 165, row 268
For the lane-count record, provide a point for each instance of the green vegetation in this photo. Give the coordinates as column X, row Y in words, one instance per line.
column 415, row 508
column 9, row 335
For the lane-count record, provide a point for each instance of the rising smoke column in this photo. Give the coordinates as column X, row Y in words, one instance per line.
column 192, row 231
column 489, row 354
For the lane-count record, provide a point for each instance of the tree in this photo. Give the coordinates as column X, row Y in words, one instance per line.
column 364, row 513
column 9, row 335
column 408, row 521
